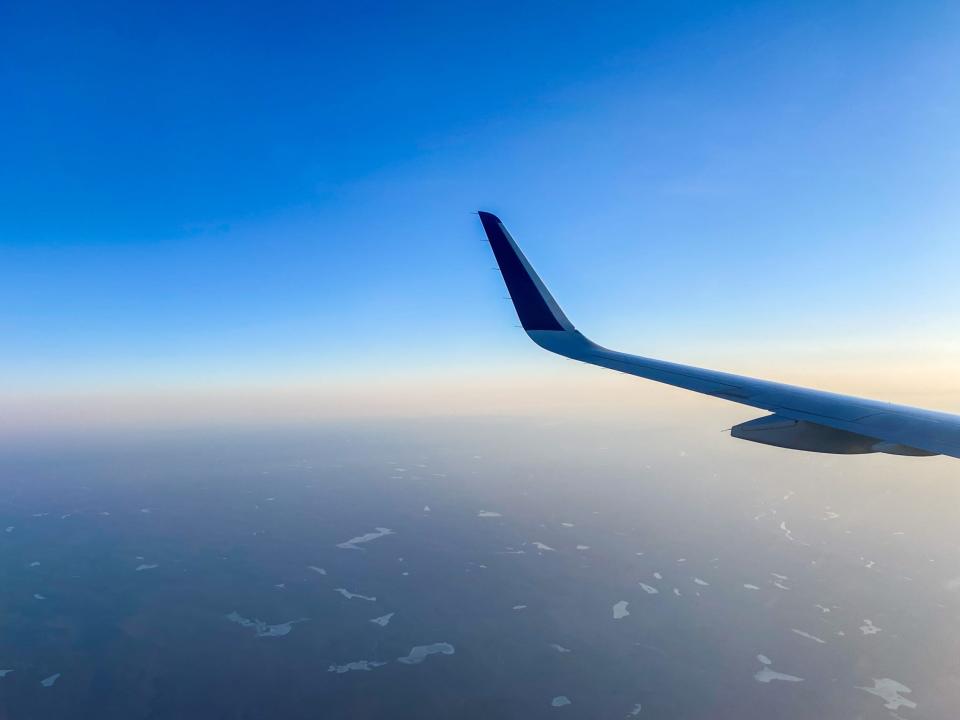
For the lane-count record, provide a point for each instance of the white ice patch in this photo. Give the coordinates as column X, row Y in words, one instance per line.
column 35, row 563
column 49, row 681
column 350, row 595
column 316, row 569
column 766, row 675
column 780, row 585
column 143, row 566
column 868, row 628
column 676, row 591
column 566, row 524
column 488, row 513
column 636, row 710
column 620, row 610
column 261, row 628
column 583, row 547
column 383, row 620
column 421, row 652
column 353, row 543
column 807, row 635
column 38, row 596
column 748, row 586
column 890, row 691
column 560, row 701
column 356, row 665
column 560, row 648
column 822, row 608
column 10, row 529
column 650, row 590
column 658, row 576
column 541, row 546
column 4, row 673
column 698, row 581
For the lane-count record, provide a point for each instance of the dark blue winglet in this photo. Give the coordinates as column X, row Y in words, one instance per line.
column 535, row 307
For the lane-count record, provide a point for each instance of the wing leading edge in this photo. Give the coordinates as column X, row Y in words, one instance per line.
column 801, row 418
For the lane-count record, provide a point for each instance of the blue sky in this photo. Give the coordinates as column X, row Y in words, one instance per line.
column 202, row 194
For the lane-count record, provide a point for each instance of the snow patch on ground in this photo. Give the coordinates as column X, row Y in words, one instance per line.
column 891, row 692
column 366, row 665
column 261, row 628
column 354, row 543
column 807, row 635
column 421, row 652
column 766, row 675
column 350, row 595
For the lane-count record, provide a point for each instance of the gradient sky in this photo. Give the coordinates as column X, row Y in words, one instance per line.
column 272, row 194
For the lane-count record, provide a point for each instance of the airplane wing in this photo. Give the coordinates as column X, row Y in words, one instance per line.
column 800, row 419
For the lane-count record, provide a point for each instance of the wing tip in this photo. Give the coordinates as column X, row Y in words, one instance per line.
column 535, row 306
column 488, row 219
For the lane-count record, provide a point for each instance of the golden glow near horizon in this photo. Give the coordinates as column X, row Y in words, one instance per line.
column 551, row 389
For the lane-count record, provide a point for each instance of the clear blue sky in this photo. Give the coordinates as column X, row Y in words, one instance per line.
column 204, row 192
